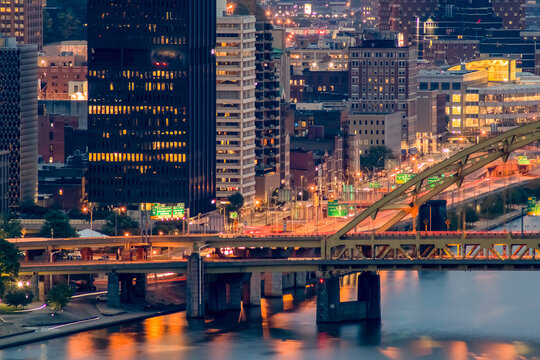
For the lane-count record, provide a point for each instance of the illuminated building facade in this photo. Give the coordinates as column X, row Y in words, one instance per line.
column 152, row 102
column 485, row 95
column 383, row 79
column 62, row 77
column 18, row 117
column 22, row 19
column 235, row 55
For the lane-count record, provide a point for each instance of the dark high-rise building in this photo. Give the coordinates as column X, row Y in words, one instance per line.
column 18, row 117
column 152, row 102
column 402, row 16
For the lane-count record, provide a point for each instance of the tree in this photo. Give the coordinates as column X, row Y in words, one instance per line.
column 76, row 213
column 492, row 207
column 123, row 223
column 9, row 264
column 58, row 222
column 30, row 210
column 375, row 156
column 249, row 7
column 236, row 201
column 59, row 297
column 18, row 296
column 456, row 218
column 10, row 227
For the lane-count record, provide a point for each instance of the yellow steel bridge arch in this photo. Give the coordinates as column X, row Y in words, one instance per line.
column 408, row 198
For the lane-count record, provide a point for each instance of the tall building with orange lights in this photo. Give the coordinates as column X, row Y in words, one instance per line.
column 152, row 102
column 22, row 19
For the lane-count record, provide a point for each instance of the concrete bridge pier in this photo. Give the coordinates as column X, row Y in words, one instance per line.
column 217, row 297
column 234, row 291
column 34, row 286
column 86, row 253
column 288, row 281
column 300, row 279
column 369, row 291
column 367, row 305
column 126, row 287
column 140, row 285
column 195, row 304
column 113, row 290
column 273, row 284
column 251, row 290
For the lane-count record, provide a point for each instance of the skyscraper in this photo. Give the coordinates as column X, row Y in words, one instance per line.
column 152, row 103
column 267, row 111
column 18, row 117
column 22, row 19
column 235, row 54
column 384, row 80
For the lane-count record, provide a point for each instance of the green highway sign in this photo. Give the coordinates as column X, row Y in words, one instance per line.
column 523, row 160
column 166, row 212
column 335, row 209
column 374, row 185
column 533, row 208
column 178, row 211
column 403, row 178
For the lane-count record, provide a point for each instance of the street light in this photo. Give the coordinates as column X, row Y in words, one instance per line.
column 52, row 254
column 116, row 211
column 86, row 209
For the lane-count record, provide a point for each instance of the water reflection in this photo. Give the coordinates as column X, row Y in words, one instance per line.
column 427, row 315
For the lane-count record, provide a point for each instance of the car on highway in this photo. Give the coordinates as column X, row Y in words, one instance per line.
column 74, row 255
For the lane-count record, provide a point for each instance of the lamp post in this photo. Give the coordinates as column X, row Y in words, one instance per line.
column 522, row 216
column 430, row 221
column 116, row 211
column 86, row 209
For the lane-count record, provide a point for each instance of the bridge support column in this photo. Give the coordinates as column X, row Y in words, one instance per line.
column 300, row 279
column 126, row 287
column 253, row 296
column 369, row 290
column 140, row 285
column 217, row 297
column 234, row 298
column 328, row 299
column 195, row 287
column 140, row 252
column 288, row 281
column 273, row 284
column 113, row 290
column 34, row 286
column 126, row 254
column 367, row 305
column 86, row 253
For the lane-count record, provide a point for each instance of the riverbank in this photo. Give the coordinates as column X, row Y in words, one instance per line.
column 31, row 330
column 488, row 225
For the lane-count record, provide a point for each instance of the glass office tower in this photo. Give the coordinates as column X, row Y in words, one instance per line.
column 152, row 105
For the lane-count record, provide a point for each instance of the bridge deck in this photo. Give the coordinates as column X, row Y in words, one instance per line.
column 286, row 265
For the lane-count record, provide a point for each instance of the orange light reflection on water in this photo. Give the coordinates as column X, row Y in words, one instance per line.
column 288, row 302
column 456, row 350
column 264, row 315
column 79, row 346
column 154, row 328
column 122, row 346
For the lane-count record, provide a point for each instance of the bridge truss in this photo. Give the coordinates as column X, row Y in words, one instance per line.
column 407, row 198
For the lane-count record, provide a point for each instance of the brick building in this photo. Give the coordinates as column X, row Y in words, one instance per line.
column 52, row 136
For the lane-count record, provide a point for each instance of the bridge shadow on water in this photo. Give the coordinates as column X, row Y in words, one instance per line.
column 284, row 318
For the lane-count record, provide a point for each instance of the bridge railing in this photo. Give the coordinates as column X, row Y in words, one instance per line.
column 443, row 245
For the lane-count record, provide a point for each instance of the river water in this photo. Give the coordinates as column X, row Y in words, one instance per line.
column 427, row 315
